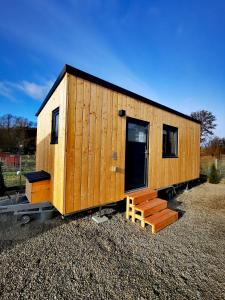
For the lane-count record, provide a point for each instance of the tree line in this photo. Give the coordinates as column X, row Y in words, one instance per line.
column 17, row 134
column 210, row 144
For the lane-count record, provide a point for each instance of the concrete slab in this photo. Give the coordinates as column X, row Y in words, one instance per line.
column 99, row 220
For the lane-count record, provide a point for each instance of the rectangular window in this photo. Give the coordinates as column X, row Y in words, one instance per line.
column 136, row 133
column 170, row 141
column 55, row 126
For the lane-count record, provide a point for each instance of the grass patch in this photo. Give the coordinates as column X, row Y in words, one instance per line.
column 10, row 172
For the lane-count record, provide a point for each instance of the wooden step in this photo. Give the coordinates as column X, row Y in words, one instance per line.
column 161, row 219
column 150, row 207
column 142, row 196
column 139, row 192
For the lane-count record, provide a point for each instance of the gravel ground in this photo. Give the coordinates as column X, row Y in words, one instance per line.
column 78, row 259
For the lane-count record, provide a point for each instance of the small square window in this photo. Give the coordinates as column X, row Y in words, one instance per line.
column 170, row 141
column 55, row 126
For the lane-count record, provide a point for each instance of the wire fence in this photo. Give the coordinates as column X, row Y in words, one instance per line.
column 13, row 163
column 14, row 166
column 207, row 161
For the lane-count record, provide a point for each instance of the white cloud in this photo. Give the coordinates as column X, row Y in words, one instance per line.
column 34, row 90
column 8, row 89
column 93, row 53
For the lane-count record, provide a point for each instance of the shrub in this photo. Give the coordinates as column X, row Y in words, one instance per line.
column 2, row 183
column 214, row 175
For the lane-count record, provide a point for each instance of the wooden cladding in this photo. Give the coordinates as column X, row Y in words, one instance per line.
column 87, row 166
column 51, row 157
column 95, row 132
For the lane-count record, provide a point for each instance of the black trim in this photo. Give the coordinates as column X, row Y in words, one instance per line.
column 78, row 73
column 169, row 127
column 56, row 83
column 54, row 138
column 142, row 123
column 169, row 156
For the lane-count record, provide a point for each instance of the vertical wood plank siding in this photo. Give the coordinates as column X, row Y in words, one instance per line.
column 51, row 158
column 95, row 131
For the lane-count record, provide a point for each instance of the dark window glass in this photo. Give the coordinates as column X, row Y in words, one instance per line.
column 55, row 126
column 170, row 141
column 136, row 133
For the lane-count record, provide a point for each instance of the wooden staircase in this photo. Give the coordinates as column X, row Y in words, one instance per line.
column 144, row 205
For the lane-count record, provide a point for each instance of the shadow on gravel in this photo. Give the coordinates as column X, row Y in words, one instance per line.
column 109, row 210
column 175, row 205
column 171, row 194
column 12, row 232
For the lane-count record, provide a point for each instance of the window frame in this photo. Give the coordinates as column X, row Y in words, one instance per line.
column 54, row 136
column 170, row 128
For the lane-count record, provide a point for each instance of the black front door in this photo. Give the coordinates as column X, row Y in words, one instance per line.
column 136, row 163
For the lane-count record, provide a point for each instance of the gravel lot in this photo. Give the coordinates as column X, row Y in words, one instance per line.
column 78, row 259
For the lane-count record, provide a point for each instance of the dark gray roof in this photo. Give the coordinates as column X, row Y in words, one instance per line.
column 37, row 176
column 76, row 72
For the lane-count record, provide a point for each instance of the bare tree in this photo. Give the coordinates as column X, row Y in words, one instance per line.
column 215, row 147
column 15, row 131
column 208, row 124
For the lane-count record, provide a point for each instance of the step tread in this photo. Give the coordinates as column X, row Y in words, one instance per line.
column 161, row 216
column 140, row 193
column 149, row 204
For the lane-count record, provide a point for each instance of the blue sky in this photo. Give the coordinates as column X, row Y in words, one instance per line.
column 170, row 51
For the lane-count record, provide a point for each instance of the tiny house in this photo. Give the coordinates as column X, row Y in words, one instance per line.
column 98, row 141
